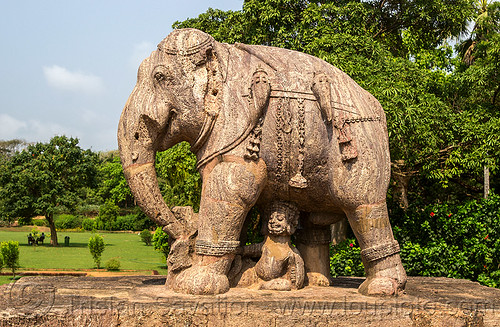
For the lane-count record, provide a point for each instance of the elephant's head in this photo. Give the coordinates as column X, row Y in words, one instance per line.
column 175, row 99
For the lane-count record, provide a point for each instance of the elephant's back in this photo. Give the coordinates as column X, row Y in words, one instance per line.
column 309, row 161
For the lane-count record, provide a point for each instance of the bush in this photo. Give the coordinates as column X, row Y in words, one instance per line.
column 113, row 264
column 96, row 247
column 345, row 259
column 1, row 262
column 459, row 242
column 23, row 221
column 40, row 222
column 133, row 221
column 66, row 221
column 108, row 213
column 160, row 242
column 10, row 254
column 126, row 222
column 88, row 210
column 89, row 224
column 146, row 237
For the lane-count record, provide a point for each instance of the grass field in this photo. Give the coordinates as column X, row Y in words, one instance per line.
column 126, row 247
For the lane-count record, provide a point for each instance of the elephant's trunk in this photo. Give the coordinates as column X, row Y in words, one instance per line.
column 136, row 137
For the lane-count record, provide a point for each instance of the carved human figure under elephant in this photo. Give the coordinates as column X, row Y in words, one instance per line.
column 266, row 124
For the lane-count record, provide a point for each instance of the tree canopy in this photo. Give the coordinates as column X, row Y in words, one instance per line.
column 45, row 176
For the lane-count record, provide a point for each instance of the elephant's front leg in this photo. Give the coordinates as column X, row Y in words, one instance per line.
column 230, row 189
column 385, row 274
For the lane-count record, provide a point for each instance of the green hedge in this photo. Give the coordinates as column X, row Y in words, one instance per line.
column 458, row 242
column 441, row 241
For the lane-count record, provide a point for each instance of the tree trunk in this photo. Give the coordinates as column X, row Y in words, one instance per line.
column 53, row 232
column 486, row 181
column 402, row 185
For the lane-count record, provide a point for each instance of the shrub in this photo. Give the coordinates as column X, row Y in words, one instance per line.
column 126, row 222
column 96, row 247
column 112, row 264
column 35, row 233
column 66, row 221
column 108, row 213
column 458, row 242
column 345, row 259
column 88, row 210
column 146, row 237
column 40, row 222
column 23, row 221
column 10, row 255
column 1, row 262
column 160, row 242
column 89, row 224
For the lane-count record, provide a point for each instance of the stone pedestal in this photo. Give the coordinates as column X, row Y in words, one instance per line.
column 144, row 301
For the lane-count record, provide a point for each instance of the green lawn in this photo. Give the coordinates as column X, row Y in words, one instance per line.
column 126, row 247
column 5, row 279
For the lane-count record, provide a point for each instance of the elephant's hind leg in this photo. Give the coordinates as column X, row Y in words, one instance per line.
column 230, row 189
column 385, row 274
column 313, row 243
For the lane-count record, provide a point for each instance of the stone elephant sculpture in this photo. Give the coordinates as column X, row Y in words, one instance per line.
column 266, row 124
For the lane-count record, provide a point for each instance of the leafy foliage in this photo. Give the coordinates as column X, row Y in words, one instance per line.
column 113, row 264
column 113, row 186
column 67, row 221
column 96, row 248
column 89, row 224
column 146, row 237
column 345, row 259
column 44, row 176
column 180, row 182
column 10, row 254
column 452, row 241
column 108, row 213
column 160, row 242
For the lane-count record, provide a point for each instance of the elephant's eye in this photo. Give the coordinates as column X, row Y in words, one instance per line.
column 159, row 77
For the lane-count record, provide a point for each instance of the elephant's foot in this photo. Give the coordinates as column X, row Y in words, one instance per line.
column 278, row 284
column 385, row 277
column 317, row 279
column 201, row 280
column 206, row 278
column 317, row 263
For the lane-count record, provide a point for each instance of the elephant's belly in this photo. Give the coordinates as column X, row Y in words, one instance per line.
column 298, row 156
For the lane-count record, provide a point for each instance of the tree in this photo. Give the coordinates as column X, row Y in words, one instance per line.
column 45, row 176
column 10, row 147
column 108, row 213
column 479, row 72
column 10, row 254
column 96, row 248
column 112, row 183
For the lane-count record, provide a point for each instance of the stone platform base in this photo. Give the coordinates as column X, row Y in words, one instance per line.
column 144, row 301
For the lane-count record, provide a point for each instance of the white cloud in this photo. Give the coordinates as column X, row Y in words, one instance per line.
column 140, row 52
column 10, row 126
column 61, row 78
column 31, row 130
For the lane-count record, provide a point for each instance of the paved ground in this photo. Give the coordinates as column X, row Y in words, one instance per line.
column 144, row 301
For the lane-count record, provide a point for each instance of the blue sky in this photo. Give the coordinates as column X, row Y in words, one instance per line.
column 67, row 67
